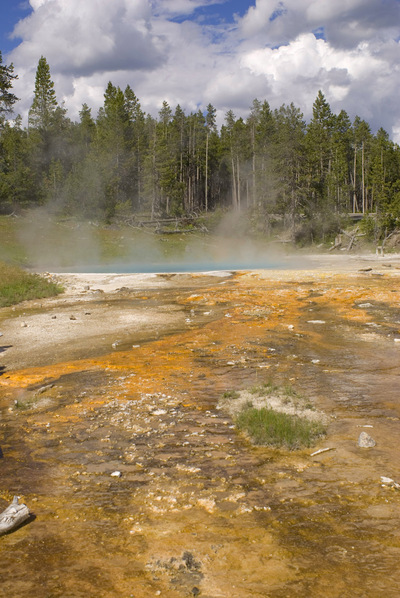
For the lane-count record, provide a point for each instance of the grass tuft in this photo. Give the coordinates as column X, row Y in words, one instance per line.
column 17, row 285
column 230, row 394
column 264, row 390
column 273, row 428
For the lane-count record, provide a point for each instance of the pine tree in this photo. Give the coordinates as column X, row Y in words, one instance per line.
column 136, row 143
column 210, row 126
column 289, row 158
column 261, row 130
column 44, row 102
column 7, row 99
column 361, row 142
column 16, row 178
column 339, row 180
column 318, row 142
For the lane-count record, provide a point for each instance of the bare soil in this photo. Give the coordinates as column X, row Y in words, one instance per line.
column 113, row 432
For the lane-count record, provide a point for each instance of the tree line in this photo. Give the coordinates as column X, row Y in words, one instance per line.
column 126, row 163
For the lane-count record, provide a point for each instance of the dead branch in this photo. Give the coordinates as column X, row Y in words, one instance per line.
column 338, row 243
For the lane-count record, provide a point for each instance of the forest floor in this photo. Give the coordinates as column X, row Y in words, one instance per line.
column 113, row 432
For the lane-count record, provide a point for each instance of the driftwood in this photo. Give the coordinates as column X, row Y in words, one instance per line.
column 380, row 249
column 324, row 450
column 13, row 516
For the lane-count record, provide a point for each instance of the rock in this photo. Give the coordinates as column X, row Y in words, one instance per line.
column 116, row 474
column 72, row 318
column 389, row 482
column 43, row 389
column 365, row 441
column 24, row 325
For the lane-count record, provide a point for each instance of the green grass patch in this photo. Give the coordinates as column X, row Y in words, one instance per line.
column 230, row 394
column 264, row 390
column 17, row 285
column 272, row 428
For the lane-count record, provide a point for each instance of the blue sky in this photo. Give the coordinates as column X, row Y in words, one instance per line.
column 11, row 13
column 226, row 52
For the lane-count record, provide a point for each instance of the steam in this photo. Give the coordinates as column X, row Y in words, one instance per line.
column 83, row 246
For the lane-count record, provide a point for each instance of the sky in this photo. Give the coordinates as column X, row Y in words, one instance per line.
column 223, row 52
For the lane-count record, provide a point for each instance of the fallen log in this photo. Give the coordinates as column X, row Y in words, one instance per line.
column 13, row 516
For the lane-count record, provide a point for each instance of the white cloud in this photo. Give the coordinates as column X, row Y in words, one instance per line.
column 345, row 22
column 360, row 80
column 270, row 53
column 86, row 37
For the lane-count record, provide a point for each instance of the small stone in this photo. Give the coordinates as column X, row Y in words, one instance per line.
column 365, row 441
column 72, row 318
column 389, row 482
column 24, row 325
column 116, row 474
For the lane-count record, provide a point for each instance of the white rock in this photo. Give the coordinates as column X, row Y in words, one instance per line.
column 116, row 474
column 389, row 482
column 365, row 441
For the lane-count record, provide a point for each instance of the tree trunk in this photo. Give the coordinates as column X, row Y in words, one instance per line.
column 206, row 185
column 238, row 195
column 363, row 179
column 234, row 193
column 354, row 181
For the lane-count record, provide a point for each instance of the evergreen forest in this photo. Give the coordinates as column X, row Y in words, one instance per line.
column 306, row 179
